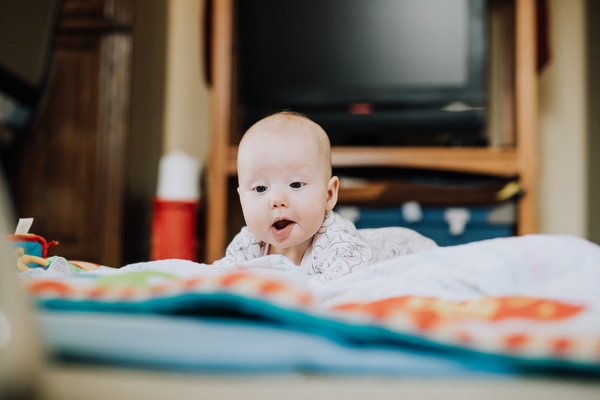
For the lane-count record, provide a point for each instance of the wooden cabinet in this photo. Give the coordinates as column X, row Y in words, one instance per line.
column 72, row 161
column 519, row 160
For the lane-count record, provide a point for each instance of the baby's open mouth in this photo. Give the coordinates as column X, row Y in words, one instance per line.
column 279, row 225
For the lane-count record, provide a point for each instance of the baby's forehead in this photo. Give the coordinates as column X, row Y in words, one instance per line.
column 287, row 132
column 288, row 127
column 293, row 147
column 270, row 159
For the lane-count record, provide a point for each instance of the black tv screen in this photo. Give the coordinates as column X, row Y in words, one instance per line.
column 390, row 59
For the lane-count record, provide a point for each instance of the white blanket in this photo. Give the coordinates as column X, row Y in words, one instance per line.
column 554, row 267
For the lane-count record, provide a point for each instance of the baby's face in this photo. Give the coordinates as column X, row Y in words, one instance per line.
column 285, row 190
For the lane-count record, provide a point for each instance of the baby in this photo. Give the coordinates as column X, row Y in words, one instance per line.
column 288, row 193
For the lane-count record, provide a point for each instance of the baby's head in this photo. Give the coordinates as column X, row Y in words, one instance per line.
column 285, row 182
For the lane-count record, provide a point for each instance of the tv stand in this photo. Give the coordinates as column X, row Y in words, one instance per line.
column 516, row 161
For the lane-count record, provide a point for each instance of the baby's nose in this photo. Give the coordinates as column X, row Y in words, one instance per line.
column 278, row 199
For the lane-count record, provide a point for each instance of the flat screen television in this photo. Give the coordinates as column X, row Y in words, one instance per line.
column 369, row 71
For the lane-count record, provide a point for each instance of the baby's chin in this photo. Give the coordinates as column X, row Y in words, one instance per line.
column 295, row 240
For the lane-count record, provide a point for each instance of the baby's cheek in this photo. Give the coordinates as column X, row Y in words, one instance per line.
column 249, row 210
column 256, row 226
column 314, row 217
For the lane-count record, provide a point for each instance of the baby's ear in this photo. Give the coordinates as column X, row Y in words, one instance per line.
column 332, row 193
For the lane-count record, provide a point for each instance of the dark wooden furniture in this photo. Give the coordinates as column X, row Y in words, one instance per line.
column 71, row 172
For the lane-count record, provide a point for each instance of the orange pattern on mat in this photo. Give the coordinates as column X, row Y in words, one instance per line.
column 427, row 312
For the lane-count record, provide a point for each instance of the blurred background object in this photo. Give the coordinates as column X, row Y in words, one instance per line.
column 21, row 352
column 27, row 31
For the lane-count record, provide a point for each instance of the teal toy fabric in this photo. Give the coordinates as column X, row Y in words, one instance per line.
column 33, row 245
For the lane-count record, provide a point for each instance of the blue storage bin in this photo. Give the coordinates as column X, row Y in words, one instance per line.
column 479, row 223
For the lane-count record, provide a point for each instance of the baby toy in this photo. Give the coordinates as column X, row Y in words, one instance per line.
column 54, row 263
column 30, row 251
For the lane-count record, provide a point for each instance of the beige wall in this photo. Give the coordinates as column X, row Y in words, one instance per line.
column 170, row 104
column 562, row 123
column 186, row 124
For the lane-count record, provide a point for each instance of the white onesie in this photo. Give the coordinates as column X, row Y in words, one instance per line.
column 337, row 249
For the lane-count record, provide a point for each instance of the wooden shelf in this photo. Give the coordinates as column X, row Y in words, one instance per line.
column 519, row 94
column 475, row 160
column 482, row 160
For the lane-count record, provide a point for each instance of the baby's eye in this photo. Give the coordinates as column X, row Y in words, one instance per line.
column 296, row 185
column 260, row 189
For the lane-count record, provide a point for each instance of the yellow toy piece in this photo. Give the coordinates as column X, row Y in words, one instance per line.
column 61, row 264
